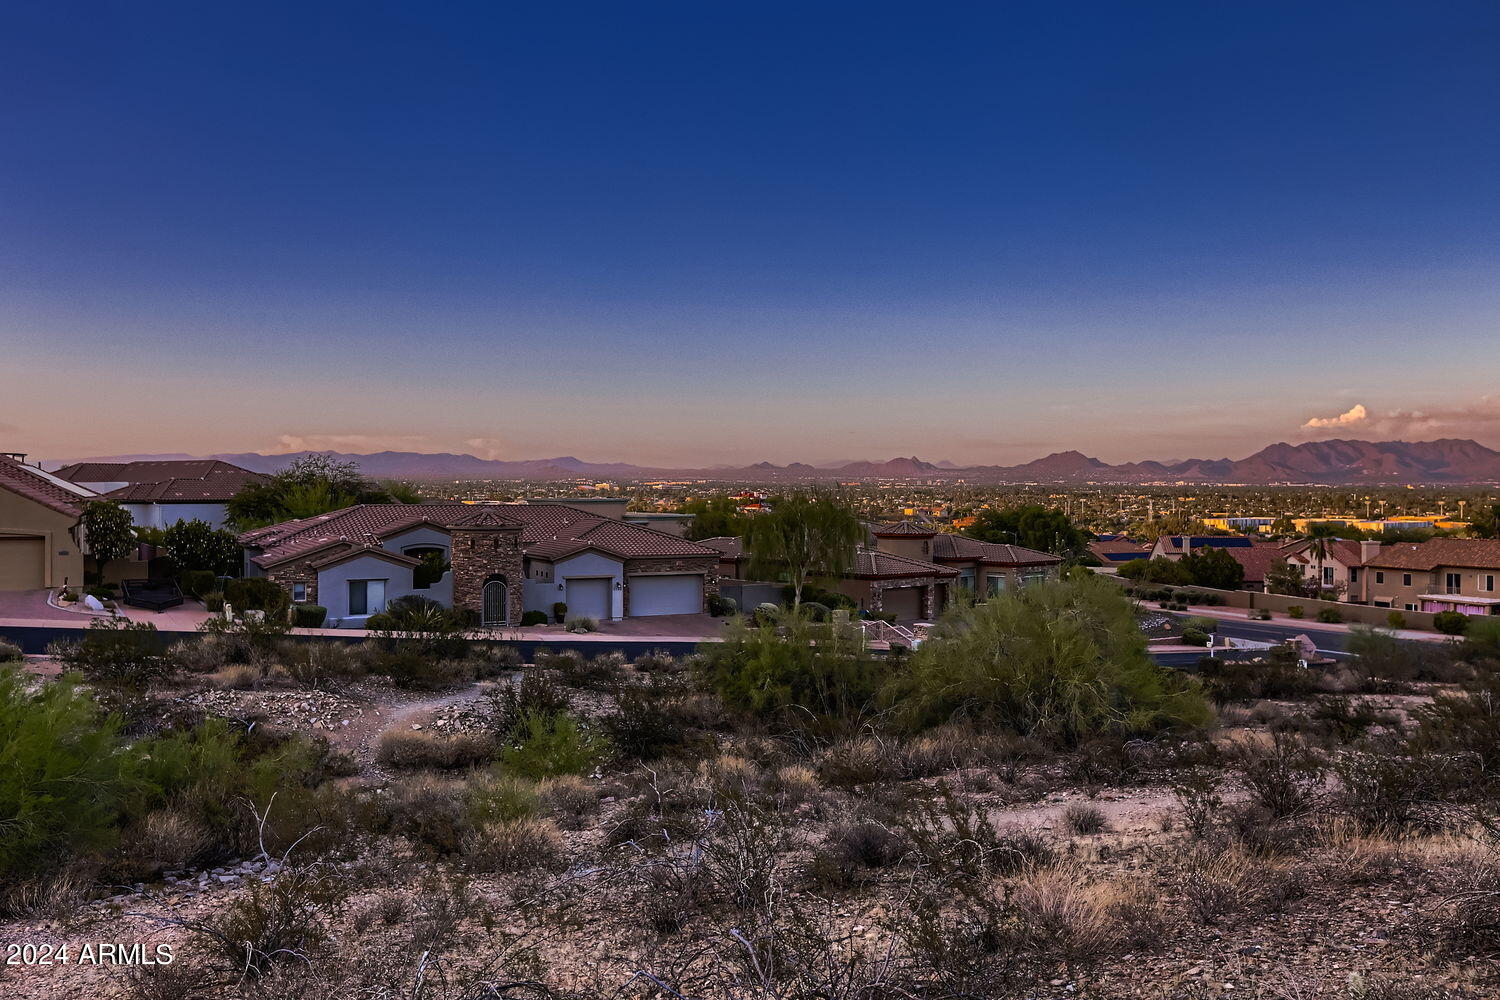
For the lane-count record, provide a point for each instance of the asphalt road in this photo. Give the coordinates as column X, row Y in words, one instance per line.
column 1328, row 641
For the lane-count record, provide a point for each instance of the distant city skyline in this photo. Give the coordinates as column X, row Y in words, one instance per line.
column 686, row 236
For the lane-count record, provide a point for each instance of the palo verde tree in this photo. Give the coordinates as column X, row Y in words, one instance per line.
column 108, row 532
column 1063, row 661
column 713, row 517
column 804, row 537
column 311, row 485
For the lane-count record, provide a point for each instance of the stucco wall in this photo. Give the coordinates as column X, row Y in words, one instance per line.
column 333, row 585
column 164, row 515
column 64, row 560
column 590, row 564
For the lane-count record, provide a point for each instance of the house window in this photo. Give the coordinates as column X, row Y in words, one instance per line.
column 299, row 592
column 1382, row 604
column 1379, row 577
column 366, row 597
column 1328, row 575
column 1452, row 583
column 1411, row 607
column 1406, row 581
column 1489, row 582
column 997, row 585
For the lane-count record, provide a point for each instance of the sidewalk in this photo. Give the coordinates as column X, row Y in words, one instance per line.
column 1303, row 624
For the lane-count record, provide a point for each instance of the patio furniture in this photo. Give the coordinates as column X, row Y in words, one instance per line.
column 154, row 595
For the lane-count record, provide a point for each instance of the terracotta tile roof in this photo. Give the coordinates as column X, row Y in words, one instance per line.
column 217, row 487
column 1118, row 550
column 1174, row 542
column 1258, row 560
column 547, row 531
column 22, row 481
column 902, row 529
column 728, row 546
column 1341, row 549
column 957, row 547
column 1479, row 553
column 149, row 471
column 872, row 563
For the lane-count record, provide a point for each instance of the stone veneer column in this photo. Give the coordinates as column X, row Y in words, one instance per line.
column 482, row 548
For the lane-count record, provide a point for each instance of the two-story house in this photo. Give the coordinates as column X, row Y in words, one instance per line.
column 1440, row 574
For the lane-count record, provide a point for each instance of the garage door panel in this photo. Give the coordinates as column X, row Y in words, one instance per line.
column 903, row 602
column 589, row 597
column 669, row 594
column 23, row 563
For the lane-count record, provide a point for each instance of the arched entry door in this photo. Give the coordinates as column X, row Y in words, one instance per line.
column 495, row 605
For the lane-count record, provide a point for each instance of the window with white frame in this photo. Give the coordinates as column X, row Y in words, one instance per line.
column 299, row 592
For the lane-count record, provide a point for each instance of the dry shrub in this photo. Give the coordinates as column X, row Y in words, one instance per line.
column 569, row 798
column 410, row 748
column 1064, row 910
column 1218, row 885
column 236, row 676
column 731, row 775
column 1083, row 819
column 860, row 762
column 430, row 811
column 797, row 784
column 389, row 909
column 160, row 839
column 515, row 845
column 940, row 750
column 850, row 849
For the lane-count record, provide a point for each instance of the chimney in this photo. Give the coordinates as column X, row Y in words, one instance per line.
column 1368, row 550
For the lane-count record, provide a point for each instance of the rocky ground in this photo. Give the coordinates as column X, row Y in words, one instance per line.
column 1349, row 918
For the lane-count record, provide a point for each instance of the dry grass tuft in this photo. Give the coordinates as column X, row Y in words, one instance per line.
column 408, row 748
column 515, row 845
column 1065, row 910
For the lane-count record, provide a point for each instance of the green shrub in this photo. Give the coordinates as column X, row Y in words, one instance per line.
column 256, row 593
column 581, row 624
column 721, row 607
column 309, row 615
column 801, row 668
column 1195, row 637
column 66, row 778
column 500, row 797
column 214, row 602
column 10, row 652
column 1395, row 619
column 115, row 651
column 1202, row 624
column 1296, row 611
column 545, row 746
column 1063, row 660
column 198, row 582
column 531, row 618
column 559, row 611
column 1331, row 616
column 1450, row 622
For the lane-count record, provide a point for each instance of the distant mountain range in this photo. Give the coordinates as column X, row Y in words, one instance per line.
column 1450, row 460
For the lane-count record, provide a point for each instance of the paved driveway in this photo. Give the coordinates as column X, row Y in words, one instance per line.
column 31, row 605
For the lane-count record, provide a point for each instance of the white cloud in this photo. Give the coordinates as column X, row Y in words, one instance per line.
column 1356, row 414
column 351, row 442
column 486, row 448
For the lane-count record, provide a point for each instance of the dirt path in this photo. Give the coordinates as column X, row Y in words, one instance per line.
column 362, row 738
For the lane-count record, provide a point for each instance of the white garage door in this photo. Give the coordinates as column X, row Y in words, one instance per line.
column 589, row 596
column 666, row 595
column 23, row 563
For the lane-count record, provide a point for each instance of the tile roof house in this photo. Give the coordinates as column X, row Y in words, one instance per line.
column 1440, row 574
column 40, row 537
column 504, row 559
column 1114, row 551
column 1338, row 570
column 161, row 493
column 1174, row 547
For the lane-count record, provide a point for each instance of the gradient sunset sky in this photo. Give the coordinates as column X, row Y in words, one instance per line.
column 703, row 233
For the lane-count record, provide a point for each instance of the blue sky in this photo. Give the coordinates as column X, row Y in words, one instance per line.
column 691, row 233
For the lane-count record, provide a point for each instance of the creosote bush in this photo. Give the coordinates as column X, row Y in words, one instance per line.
column 1062, row 661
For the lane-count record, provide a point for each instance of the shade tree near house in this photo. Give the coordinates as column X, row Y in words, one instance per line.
column 1030, row 526
column 311, row 485
column 109, row 532
column 196, row 545
column 713, row 517
column 1213, row 568
column 803, row 538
